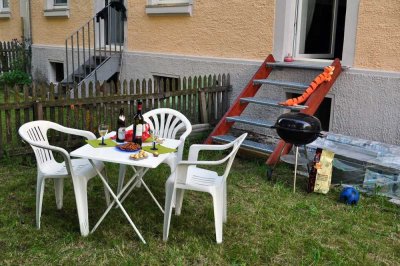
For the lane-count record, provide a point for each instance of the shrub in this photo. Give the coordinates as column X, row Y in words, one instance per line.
column 15, row 77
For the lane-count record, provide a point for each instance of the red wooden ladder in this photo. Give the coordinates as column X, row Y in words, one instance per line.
column 248, row 96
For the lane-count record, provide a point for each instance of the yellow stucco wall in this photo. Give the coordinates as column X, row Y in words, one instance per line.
column 54, row 30
column 232, row 29
column 11, row 28
column 378, row 35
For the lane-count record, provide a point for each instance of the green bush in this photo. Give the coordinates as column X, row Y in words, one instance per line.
column 15, row 77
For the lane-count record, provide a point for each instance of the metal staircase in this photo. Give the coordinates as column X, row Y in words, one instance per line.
column 248, row 96
column 93, row 52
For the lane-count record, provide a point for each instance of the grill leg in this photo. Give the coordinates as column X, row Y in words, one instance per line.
column 295, row 169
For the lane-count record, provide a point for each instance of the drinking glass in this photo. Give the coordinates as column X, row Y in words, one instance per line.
column 154, row 137
column 103, row 129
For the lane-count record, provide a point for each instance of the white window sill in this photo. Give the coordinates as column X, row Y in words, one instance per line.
column 169, row 9
column 56, row 12
column 5, row 14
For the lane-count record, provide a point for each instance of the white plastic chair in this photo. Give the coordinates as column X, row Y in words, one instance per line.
column 35, row 133
column 167, row 123
column 188, row 176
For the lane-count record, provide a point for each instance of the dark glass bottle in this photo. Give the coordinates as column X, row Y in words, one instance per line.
column 121, row 126
column 312, row 176
column 138, row 122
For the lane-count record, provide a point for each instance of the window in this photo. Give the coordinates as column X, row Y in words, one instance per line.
column 60, row 3
column 316, row 29
column 324, row 112
column 4, row 4
column 169, row 7
column 166, row 84
column 4, row 9
column 56, row 8
column 56, row 72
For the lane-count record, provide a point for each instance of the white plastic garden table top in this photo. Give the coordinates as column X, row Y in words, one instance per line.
column 113, row 155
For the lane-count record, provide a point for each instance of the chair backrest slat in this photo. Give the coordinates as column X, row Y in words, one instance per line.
column 35, row 132
column 167, row 123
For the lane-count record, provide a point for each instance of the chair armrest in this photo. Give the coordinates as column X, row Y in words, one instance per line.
column 78, row 132
column 62, row 151
column 204, row 162
column 196, row 148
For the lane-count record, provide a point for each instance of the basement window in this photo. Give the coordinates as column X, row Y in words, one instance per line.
column 323, row 113
column 162, row 82
column 56, row 8
column 169, row 7
column 56, row 72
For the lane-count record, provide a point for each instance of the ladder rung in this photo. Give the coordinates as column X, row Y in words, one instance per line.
column 247, row 144
column 282, row 83
column 250, row 121
column 273, row 103
column 298, row 65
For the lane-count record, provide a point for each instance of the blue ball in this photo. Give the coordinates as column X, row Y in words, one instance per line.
column 349, row 195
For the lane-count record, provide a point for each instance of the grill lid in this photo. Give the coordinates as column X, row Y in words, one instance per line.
column 298, row 122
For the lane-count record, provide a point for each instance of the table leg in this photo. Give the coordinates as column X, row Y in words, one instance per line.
column 117, row 201
column 140, row 177
column 121, row 177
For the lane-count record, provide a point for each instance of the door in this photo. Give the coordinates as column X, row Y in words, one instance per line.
column 113, row 25
column 316, row 29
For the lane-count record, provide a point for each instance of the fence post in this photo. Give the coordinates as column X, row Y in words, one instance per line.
column 38, row 110
column 203, row 106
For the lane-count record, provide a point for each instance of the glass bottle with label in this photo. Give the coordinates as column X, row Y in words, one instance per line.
column 121, row 126
column 138, row 122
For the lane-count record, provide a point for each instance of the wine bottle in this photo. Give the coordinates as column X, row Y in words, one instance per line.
column 138, row 122
column 121, row 126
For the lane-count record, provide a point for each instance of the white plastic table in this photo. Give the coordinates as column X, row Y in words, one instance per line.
column 140, row 167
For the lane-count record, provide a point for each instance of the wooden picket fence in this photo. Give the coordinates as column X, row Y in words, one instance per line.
column 13, row 55
column 201, row 99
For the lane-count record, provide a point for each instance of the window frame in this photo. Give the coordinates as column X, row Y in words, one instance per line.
column 60, row 4
column 169, row 2
column 5, row 11
column 51, row 9
column 169, row 7
column 285, row 14
column 2, row 8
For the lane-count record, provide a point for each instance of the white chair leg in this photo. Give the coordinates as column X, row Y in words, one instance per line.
column 80, row 188
column 121, row 177
column 106, row 192
column 218, row 209
column 39, row 199
column 59, row 191
column 225, row 204
column 178, row 201
column 169, row 195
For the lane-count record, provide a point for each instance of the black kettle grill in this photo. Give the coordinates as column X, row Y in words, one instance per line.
column 298, row 129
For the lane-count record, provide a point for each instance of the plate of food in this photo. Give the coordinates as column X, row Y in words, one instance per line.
column 138, row 156
column 128, row 147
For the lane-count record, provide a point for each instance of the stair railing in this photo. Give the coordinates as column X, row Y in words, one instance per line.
column 89, row 46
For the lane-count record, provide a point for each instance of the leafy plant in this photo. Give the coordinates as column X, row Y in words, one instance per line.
column 15, row 77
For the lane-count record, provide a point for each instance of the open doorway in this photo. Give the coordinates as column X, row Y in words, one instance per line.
column 319, row 29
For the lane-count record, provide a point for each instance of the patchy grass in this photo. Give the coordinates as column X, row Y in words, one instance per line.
column 267, row 224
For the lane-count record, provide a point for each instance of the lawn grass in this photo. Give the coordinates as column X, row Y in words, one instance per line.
column 267, row 224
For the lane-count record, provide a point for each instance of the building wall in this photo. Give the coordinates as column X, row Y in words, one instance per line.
column 378, row 35
column 54, row 30
column 231, row 29
column 11, row 28
column 364, row 103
